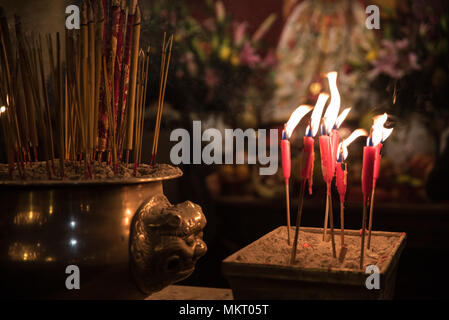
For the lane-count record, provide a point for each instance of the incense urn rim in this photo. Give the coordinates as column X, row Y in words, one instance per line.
column 169, row 173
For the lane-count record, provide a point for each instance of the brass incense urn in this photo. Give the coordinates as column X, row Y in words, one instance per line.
column 123, row 236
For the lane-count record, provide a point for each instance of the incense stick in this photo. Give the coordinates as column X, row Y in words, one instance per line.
column 287, row 203
column 326, row 216
column 298, row 221
column 370, row 223
column 163, row 86
column 342, row 224
column 133, row 80
column 331, row 219
column 98, row 102
column 362, row 245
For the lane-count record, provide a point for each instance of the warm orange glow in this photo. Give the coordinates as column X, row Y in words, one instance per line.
column 296, row 116
column 316, row 114
column 342, row 117
column 3, row 108
column 334, row 106
column 343, row 146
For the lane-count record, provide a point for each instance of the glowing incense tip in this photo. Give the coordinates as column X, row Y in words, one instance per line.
column 295, row 118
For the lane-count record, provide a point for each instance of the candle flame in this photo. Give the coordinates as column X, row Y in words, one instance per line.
column 343, row 146
column 342, row 117
column 378, row 129
column 316, row 114
column 2, row 109
column 295, row 118
column 386, row 133
column 334, row 106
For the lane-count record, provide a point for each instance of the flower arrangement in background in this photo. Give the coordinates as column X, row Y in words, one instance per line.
column 407, row 67
column 411, row 60
column 217, row 62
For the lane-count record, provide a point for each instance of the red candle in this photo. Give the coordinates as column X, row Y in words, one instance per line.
column 308, row 157
column 368, row 172
column 326, row 156
column 334, row 145
column 286, row 160
column 341, row 180
column 377, row 158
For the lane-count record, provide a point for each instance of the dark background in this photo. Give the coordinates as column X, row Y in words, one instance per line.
column 234, row 222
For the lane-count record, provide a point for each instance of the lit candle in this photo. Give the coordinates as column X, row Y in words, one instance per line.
column 379, row 135
column 370, row 172
column 328, row 143
column 341, row 179
column 369, row 153
column 308, row 157
column 308, row 152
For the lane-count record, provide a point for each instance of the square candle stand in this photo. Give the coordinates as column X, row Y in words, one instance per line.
column 261, row 270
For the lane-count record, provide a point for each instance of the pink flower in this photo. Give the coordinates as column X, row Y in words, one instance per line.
column 394, row 60
column 249, row 56
column 210, row 25
column 413, row 61
column 239, row 33
column 270, row 59
column 191, row 65
column 401, row 44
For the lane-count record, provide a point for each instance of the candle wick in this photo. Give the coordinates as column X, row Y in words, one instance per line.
column 284, row 135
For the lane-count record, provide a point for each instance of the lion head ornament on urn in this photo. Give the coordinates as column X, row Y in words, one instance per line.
column 165, row 242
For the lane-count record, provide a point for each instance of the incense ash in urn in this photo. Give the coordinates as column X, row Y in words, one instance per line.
column 262, row 270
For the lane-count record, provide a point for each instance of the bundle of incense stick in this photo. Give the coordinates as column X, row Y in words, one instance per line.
column 92, row 108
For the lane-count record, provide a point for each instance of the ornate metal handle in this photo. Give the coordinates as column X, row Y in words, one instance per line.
column 165, row 242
